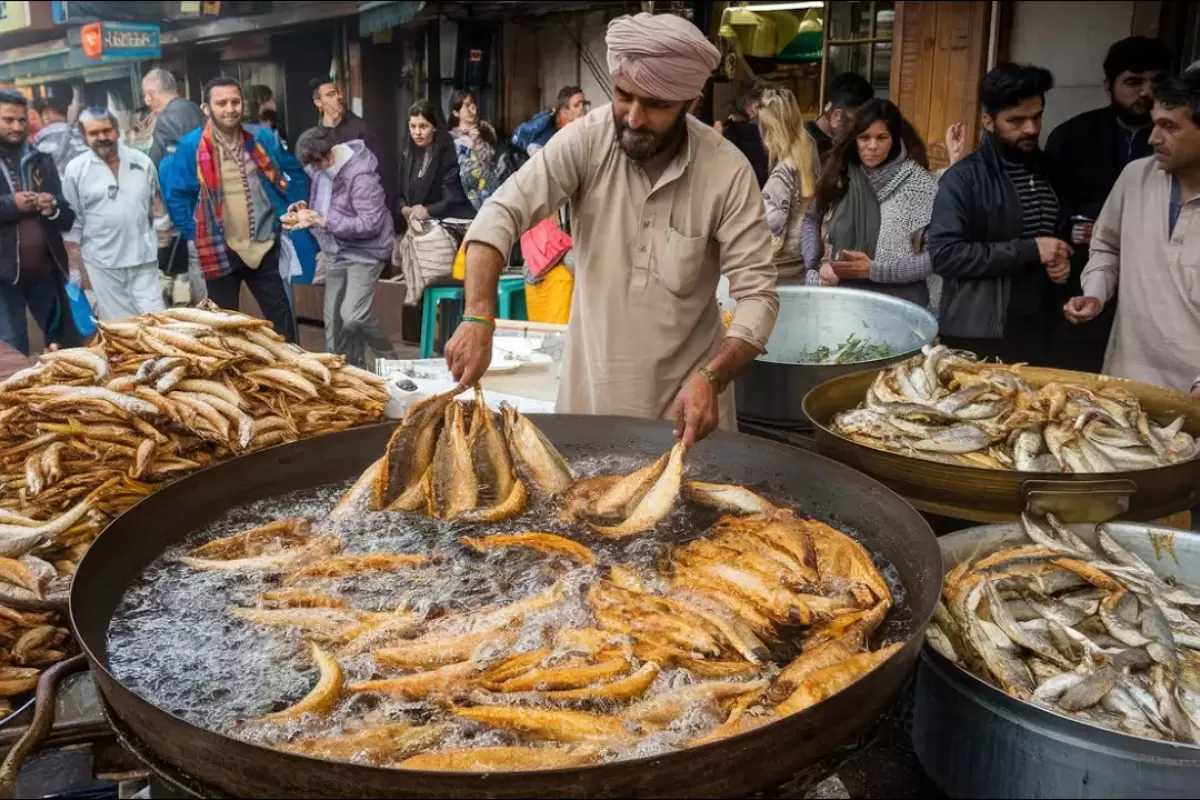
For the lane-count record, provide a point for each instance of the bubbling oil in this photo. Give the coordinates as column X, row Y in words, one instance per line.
column 173, row 642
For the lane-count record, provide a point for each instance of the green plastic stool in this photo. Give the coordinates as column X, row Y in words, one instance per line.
column 510, row 305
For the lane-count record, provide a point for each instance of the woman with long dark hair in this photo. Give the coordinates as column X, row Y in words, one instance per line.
column 865, row 228
column 432, row 212
column 476, row 146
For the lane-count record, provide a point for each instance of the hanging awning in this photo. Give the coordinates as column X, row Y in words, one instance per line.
column 379, row 16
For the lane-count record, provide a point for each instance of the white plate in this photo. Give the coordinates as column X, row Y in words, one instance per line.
column 501, row 365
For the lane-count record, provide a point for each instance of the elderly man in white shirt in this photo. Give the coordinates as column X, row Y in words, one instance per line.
column 112, row 190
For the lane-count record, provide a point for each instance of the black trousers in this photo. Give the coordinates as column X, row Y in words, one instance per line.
column 265, row 284
column 1026, row 340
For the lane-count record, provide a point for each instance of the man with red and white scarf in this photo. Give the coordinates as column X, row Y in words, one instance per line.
column 225, row 190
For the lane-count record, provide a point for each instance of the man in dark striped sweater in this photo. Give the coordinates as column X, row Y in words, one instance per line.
column 992, row 237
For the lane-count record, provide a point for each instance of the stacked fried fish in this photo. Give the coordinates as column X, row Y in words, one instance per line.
column 87, row 432
column 948, row 406
column 709, row 634
column 1096, row 634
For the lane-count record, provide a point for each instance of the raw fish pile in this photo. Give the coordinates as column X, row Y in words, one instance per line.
column 949, row 407
column 1092, row 632
column 763, row 615
column 87, row 432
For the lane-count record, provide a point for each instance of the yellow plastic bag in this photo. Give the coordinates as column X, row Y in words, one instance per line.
column 459, row 269
column 550, row 300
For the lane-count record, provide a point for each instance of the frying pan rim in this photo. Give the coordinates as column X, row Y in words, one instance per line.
column 917, row 625
column 1021, row 476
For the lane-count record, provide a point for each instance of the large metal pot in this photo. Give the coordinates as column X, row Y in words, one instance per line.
column 991, row 495
column 975, row 740
column 731, row 768
column 772, row 388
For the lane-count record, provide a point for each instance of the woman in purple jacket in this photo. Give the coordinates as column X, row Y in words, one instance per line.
column 348, row 214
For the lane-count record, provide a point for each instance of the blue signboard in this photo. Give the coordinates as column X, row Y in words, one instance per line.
column 130, row 40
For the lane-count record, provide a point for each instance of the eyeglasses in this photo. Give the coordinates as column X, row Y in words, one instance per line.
column 113, row 191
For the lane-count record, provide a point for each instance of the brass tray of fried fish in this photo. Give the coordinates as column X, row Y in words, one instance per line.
column 959, row 436
column 470, row 646
column 1098, row 625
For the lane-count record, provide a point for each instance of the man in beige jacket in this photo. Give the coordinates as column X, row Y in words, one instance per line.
column 662, row 206
column 1146, row 241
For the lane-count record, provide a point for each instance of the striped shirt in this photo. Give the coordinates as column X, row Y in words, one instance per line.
column 1039, row 204
column 1039, row 217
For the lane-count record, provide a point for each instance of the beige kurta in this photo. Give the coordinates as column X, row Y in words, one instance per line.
column 644, row 312
column 1156, row 335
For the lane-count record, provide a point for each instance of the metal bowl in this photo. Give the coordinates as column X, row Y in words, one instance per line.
column 975, row 740
column 773, row 386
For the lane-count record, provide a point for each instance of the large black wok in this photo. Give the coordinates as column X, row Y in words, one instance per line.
column 734, row 767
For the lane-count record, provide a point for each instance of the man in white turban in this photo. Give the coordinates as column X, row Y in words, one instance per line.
column 662, row 207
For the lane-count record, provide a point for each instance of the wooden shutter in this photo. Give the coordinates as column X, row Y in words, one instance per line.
column 939, row 53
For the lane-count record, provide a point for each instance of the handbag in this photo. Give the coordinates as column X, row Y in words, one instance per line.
column 173, row 259
column 81, row 311
column 544, row 246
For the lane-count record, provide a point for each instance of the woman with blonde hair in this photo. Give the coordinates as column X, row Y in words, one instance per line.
column 793, row 161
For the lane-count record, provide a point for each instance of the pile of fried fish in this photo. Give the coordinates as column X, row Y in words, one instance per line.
column 948, row 406
column 711, row 633
column 1094, row 634
column 87, row 432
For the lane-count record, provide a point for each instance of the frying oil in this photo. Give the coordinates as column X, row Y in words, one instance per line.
column 173, row 642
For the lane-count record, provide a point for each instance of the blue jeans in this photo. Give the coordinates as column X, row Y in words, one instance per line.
column 44, row 300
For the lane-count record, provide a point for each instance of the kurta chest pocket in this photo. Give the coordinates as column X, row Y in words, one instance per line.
column 679, row 262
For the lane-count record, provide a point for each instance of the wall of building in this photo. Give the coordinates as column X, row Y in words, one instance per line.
column 1069, row 39
column 561, row 62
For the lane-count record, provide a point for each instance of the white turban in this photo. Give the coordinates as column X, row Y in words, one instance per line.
column 660, row 56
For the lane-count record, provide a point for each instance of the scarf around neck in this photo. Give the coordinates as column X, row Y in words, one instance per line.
column 854, row 223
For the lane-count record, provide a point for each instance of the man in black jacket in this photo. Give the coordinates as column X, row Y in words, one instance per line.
column 995, row 218
column 741, row 128
column 846, row 93
column 177, row 116
column 1087, row 154
column 348, row 126
column 33, row 218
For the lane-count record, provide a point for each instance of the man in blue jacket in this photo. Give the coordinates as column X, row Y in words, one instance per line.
column 225, row 190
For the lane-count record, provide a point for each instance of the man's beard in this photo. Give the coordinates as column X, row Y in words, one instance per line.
column 645, row 144
column 12, row 144
column 104, row 149
column 1135, row 116
column 1012, row 152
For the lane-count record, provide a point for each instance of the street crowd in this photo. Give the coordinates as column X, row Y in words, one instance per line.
column 1082, row 255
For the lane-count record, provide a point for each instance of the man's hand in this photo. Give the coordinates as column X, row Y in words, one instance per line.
column 297, row 207
column 852, row 265
column 27, row 202
column 46, row 204
column 406, row 212
column 1059, row 273
column 1082, row 309
column 1053, row 251
column 696, row 410
column 1056, row 255
column 828, row 276
column 419, row 212
column 469, row 352
column 956, row 142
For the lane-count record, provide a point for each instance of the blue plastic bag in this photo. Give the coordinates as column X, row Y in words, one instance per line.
column 81, row 311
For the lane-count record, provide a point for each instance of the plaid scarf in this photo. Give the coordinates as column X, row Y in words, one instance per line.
column 210, row 230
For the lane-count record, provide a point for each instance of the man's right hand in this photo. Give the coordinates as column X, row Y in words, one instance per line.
column 469, row 352
column 1082, row 309
column 27, row 202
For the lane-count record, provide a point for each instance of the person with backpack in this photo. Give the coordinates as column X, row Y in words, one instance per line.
column 532, row 135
